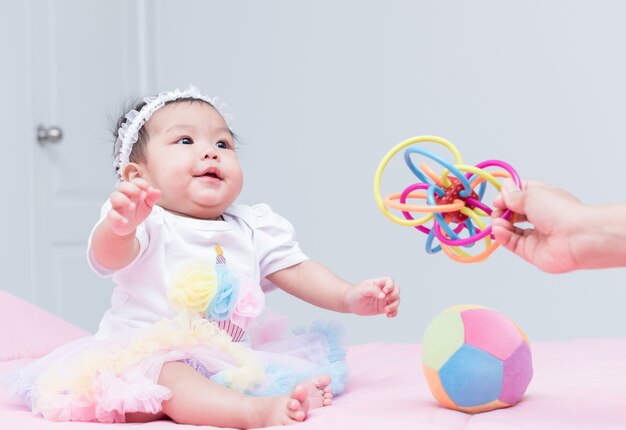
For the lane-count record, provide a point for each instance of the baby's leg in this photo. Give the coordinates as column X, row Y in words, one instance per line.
column 197, row 400
column 142, row 417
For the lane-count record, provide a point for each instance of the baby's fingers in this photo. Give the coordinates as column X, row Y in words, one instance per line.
column 391, row 310
column 116, row 219
column 118, row 223
column 391, row 296
column 141, row 183
column 131, row 190
column 121, row 203
column 382, row 287
column 152, row 195
column 390, row 287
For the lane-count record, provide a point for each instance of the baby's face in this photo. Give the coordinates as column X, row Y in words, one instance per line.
column 190, row 156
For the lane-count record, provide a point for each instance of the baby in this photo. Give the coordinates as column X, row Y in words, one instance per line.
column 182, row 339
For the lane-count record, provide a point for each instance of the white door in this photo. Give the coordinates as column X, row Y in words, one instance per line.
column 85, row 66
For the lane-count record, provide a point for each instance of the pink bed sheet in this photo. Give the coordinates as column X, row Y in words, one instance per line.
column 578, row 384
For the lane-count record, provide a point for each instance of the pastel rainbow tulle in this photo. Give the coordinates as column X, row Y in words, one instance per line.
column 102, row 380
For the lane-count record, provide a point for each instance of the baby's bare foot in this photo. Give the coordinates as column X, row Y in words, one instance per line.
column 272, row 411
column 307, row 395
column 318, row 391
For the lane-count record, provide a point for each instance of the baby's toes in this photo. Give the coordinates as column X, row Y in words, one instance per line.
column 294, row 410
column 321, row 381
column 327, row 398
column 297, row 405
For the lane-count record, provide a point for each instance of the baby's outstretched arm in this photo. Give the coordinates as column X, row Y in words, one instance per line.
column 566, row 234
column 114, row 244
column 316, row 284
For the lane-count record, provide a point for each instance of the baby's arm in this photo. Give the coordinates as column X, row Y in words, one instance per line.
column 114, row 244
column 316, row 284
column 567, row 234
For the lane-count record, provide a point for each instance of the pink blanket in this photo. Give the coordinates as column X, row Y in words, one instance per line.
column 578, row 384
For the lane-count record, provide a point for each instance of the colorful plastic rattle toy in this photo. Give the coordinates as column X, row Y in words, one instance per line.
column 453, row 199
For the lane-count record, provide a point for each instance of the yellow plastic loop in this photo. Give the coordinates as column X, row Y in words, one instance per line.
column 381, row 167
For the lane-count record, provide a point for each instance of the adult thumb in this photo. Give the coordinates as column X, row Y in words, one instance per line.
column 514, row 198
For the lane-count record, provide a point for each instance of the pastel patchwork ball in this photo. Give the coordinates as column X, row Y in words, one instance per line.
column 475, row 359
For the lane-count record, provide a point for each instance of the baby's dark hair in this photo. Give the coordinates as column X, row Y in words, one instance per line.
column 137, row 153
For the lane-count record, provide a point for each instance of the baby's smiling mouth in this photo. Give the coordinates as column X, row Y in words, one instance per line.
column 211, row 172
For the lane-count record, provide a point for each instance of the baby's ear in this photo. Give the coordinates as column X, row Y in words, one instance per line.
column 132, row 171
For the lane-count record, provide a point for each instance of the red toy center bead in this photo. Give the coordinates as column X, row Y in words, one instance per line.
column 453, row 192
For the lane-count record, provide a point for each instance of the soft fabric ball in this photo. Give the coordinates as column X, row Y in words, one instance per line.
column 475, row 359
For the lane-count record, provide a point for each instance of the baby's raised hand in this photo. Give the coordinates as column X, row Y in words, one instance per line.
column 131, row 204
column 373, row 297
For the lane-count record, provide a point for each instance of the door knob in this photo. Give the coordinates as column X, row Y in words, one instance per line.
column 49, row 135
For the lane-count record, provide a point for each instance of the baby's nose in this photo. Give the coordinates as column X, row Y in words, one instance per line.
column 210, row 152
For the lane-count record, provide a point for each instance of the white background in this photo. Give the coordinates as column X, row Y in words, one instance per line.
column 321, row 90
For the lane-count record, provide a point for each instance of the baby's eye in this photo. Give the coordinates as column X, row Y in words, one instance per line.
column 222, row 144
column 185, row 141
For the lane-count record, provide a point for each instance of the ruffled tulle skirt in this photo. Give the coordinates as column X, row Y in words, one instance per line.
column 92, row 379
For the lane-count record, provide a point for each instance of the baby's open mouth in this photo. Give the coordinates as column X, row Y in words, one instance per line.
column 211, row 173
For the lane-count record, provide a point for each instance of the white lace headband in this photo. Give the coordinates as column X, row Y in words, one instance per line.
column 128, row 133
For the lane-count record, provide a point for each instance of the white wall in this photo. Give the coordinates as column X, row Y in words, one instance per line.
column 18, row 139
column 320, row 91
